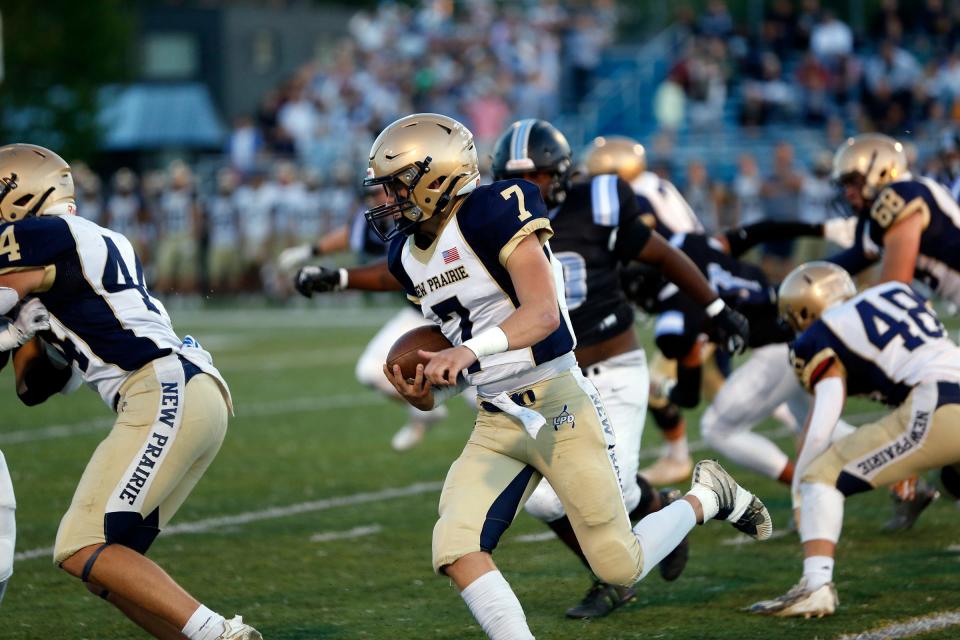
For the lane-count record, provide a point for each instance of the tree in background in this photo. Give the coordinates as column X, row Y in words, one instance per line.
column 57, row 54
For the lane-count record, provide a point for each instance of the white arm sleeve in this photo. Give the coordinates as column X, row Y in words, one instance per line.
column 829, row 397
column 8, row 300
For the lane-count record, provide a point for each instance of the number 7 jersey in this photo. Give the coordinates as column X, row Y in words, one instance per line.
column 887, row 339
column 461, row 282
column 102, row 317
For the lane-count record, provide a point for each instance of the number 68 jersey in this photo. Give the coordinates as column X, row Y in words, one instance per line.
column 103, row 319
column 887, row 339
column 461, row 282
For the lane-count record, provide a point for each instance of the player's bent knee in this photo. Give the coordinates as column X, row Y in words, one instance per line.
column 132, row 530
column 615, row 562
column 6, row 558
column 450, row 543
column 710, row 426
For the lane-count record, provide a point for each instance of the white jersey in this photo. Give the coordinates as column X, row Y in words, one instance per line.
column 461, row 282
column 103, row 319
column 887, row 339
column 669, row 206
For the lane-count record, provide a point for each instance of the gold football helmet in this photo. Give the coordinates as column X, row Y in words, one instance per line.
column 34, row 181
column 811, row 289
column 874, row 159
column 615, row 154
column 424, row 161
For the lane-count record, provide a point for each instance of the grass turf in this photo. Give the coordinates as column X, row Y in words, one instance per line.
column 305, row 431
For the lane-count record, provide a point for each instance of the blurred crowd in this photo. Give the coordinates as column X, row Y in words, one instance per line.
column 805, row 64
column 479, row 61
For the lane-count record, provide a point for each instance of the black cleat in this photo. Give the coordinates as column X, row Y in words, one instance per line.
column 601, row 600
column 907, row 508
column 674, row 562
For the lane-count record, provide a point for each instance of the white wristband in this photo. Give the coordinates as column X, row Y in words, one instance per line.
column 344, row 278
column 488, row 343
column 715, row 307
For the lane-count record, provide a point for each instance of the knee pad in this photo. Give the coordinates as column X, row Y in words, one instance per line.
column 613, row 562
column 132, row 530
column 950, row 477
column 667, row 417
column 543, row 504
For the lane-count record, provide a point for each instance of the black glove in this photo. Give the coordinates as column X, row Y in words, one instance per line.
column 316, row 278
column 729, row 330
column 641, row 283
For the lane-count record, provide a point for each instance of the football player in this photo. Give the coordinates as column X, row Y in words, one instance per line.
column 31, row 318
column 364, row 241
column 598, row 226
column 885, row 342
column 476, row 259
column 171, row 402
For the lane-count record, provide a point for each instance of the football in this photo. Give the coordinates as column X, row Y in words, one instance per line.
column 405, row 351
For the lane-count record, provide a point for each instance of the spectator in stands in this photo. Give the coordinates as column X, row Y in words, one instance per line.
column 125, row 210
column 889, row 78
column 780, row 197
column 244, row 145
column 255, row 203
column 703, row 195
column 746, row 191
column 716, row 21
column 88, row 192
column 813, row 79
column 831, row 39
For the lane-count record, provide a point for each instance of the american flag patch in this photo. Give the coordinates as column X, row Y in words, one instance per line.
column 450, row 255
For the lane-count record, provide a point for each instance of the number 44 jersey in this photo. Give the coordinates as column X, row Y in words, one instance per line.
column 887, row 339
column 103, row 319
column 461, row 281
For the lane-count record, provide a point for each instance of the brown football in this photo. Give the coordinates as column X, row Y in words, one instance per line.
column 404, row 351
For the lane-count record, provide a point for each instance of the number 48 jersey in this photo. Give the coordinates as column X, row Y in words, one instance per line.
column 103, row 318
column 887, row 339
column 461, row 282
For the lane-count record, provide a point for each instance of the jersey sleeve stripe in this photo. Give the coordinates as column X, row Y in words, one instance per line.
column 540, row 226
column 605, row 201
column 817, row 366
column 917, row 205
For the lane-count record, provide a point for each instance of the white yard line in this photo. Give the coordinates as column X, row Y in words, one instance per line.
column 272, row 513
column 534, row 537
column 925, row 624
column 252, row 410
column 349, row 534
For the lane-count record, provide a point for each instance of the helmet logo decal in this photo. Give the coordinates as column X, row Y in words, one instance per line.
column 8, row 185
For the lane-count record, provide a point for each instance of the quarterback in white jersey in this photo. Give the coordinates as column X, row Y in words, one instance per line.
column 171, row 402
column 885, row 343
column 477, row 261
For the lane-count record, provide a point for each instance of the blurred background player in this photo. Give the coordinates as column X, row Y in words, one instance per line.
column 179, row 221
column 360, row 238
column 224, row 235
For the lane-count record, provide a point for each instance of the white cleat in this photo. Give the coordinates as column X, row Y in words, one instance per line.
column 738, row 506
column 234, row 629
column 667, row 470
column 800, row 601
column 409, row 436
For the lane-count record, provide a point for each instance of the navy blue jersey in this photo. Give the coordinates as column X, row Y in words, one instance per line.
column 103, row 318
column 886, row 340
column 596, row 230
column 461, row 282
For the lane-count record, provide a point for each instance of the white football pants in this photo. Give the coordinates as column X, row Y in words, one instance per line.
column 624, row 383
column 8, row 527
column 749, row 396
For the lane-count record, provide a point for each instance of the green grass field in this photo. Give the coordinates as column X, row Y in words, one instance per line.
column 308, row 437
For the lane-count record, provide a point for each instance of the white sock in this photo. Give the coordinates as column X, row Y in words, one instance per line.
column 660, row 532
column 496, row 608
column 204, row 625
column 678, row 449
column 708, row 500
column 818, row 570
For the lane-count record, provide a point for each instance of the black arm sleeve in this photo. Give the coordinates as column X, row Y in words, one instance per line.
column 41, row 379
column 742, row 239
column 854, row 259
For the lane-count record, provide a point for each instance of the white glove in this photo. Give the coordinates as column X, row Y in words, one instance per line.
column 841, row 231
column 33, row 317
column 291, row 258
